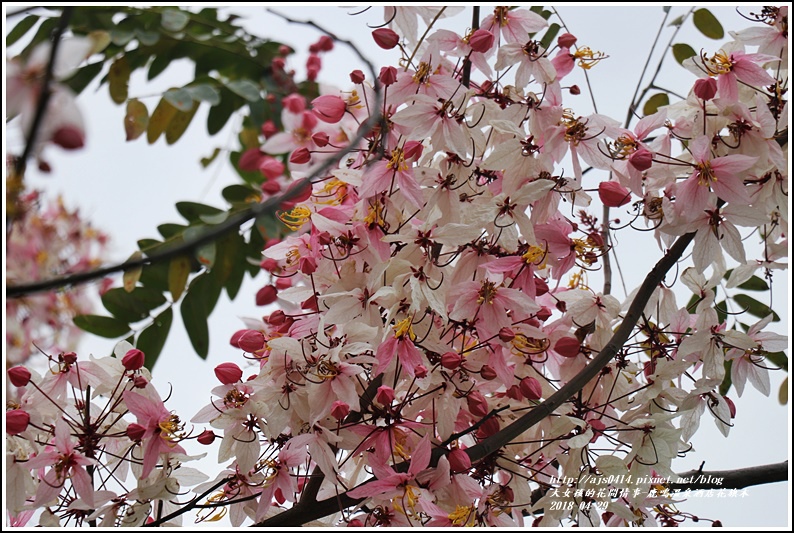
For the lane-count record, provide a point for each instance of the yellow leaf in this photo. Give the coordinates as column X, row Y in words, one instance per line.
column 178, row 271
column 132, row 275
column 159, row 120
column 119, row 79
column 782, row 395
column 179, row 124
column 136, row 120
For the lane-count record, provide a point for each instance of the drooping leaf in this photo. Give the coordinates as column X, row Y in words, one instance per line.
column 779, row 359
column 193, row 210
column 21, row 29
column 83, row 76
column 205, row 93
column 677, row 21
column 782, row 394
column 152, row 339
column 104, row 326
column 754, row 284
column 707, row 23
column 240, row 194
column 174, row 19
column 754, row 307
column 119, row 80
column 178, row 272
column 204, row 253
column 194, row 316
column 219, row 114
column 132, row 275
column 245, row 88
column 550, row 34
column 170, row 230
column 159, row 120
column 136, row 120
column 682, row 51
column 179, row 123
column 179, row 98
column 654, row 103
column 132, row 306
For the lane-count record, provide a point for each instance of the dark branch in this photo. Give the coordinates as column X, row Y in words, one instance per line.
column 732, row 479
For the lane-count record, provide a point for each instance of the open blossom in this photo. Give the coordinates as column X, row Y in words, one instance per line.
column 514, row 25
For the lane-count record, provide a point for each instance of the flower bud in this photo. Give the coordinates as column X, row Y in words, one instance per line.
column 17, row 421
column 385, row 395
column 566, row 40
column 412, row 150
column 133, row 359
column 420, row 371
column 300, row 156
column 270, row 167
column 286, row 283
column 69, row 358
column 642, row 159
column 325, row 43
column 340, row 410
column 357, row 77
column 295, row 103
column 574, row 90
column 506, row 334
column 514, row 392
column 388, row 75
column 567, row 347
column 530, row 388
column 488, row 428
column 270, row 187
column 278, row 64
column 69, row 137
column 139, row 382
column 487, row 372
column 228, row 373
column 705, row 88
column 250, row 160
column 731, row 406
column 266, row 295
column 543, row 314
column 206, row 438
column 136, row 432
column 451, row 360
column 251, row 340
column 613, row 194
column 481, row 40
column 386, row 38
column 269, row 129
column 19, row 376
column 477, row 404
column 329, row 108
column 307, row 265
column 321, row 139
column 459, row 461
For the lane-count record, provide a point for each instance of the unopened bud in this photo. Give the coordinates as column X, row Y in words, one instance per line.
column 514, row 392
column 17, row 421
column 705, row 88
column 566, row 40
column 357, row 77
column 477, row 404
column 269, row 129
column 459, row 461
column 295, row 103
column 228, row 373
column 506, row 335
column 139, row 382
column 543, row 314
column 19, row 376
column 451, row 360
column 386, row 38
column 270, row 167
column 340, row 410
column 388, row 75
column 613, row 194
column 329, row 108
column 642, row 159
column 206, row 438
column 531, row 388
column 300, row 156
column 481, row 40
column 134, row 359
column 420, row 371
column 320, row 139
column 251, row 340
column 567, row 347
column 385, row 395
column 266, row 295
column 69, row 137
column 69, row 358
column 487, row 372
column 136, row 432
column 270, row 187
column 574, row 90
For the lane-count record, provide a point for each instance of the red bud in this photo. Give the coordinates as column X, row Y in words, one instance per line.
column 340, row 410
column 705, row 88
column 270, row 167
column 385, row 395
column 642, row 159
column 477, row 404
column 566, row 40
column 69, row 137
column 136, row 432
column 420, row 371
column 17, row 421
column 269, row 129
column 266, row 295
column 206, row 438
column 613, row 194
column 69, row 358
column 139, row 382
column 250, row 160
column 134, row 359
column 329, row 108
column 388, row 75
column 567, row 347
column 459, row 461
column 487, row 372
column 481, row 40
column 251, row 340
column 295, row 103
column 386, row 38
column 357, row 77
column 506, row 335
column 19, row 376
column 300, row 156
column 228, row 373
column 531, row 388
column 321, row 139
column 451, row 360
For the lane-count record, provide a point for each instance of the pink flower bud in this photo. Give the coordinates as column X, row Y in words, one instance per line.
column 340, row 410
column 459, row 461
column 139, row 382
column 285, row 283
column 250, row 160
column 269, row 129
column 276, row 318
column 598, row 429
column 307, row 265
column 313, row 66
column 325, row 43
column 69, row 358
column 613, row 194
column 269, row 264
column 488, row 428
column 19, row 376
column 357, row 77
column 284, row 50
column 300, row 156
column 531, row 389
column 544, row 313
column 295, row 103
column 135, row 432
column 228, row 373
column 329, row 108
column 451, row 360
column 488, row 373
column 567, row 347
column 206, row 438
column 705, row 88
column 412, row 150
column 355, row 523
column 320, row 139
column 506, row 335
column 388, row 75
column 266, row 295
column 481, row 40
column 386, row 38
column 514, row 392
column 17, row 421
column 731, row 406
column 477, row 404
column 420, row 371
column 270, row 167
column 385, row 395
column 642, row 159
column 69, row 137
column 278, row 64
column 251, row 340
column 574, row 90
column 566, row 40
column 270, row 187
column 133, row 359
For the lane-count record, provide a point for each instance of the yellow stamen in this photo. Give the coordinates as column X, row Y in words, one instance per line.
column 578, row 281
column 403, row 328
column 296, row 218
column 487, row 293
column 720, row 63
column 705, row 174
column 422, row 72
column 334, row 192
column 588, row 58
column 171, row 430
column 536, row 256
column 397, row 160
column 461, row 515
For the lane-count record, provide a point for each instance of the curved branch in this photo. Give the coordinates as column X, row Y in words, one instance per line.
column 731, row 479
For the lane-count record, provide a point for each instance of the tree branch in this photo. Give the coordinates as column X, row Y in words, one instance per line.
column 732, row 479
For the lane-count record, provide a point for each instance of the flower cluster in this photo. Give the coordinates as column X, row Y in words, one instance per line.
column 434, row 290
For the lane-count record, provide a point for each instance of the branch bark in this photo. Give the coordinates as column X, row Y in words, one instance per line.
column 732, row 479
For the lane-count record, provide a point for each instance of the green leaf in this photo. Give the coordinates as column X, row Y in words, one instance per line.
column 174, row 19
column 707, row 23
column 240, row 194
column 131, row 276
column 194, row 316
column 677, row 21
column 159, row 120
column 104, row 326
column 205, row 93
column 682, row 51
column 779, row 359
column 219, row 114
column 754, row 307
column 44, row 33
column 725, row 386
column 754, row 284
column 654, row 103
column 169, row 230
column 178, row 272
column 193, row 210
column 550, row 34
column 152, row 339
column 245, row 88
column 121, row 36
column 21, row 29
column 119, row 79
column 179, row 98
column 158, row 65
column 136, row 120
column 782, row 394
column 132, row 306
column 155, row 276
column 179, row 123
column 146, row 37
column 207, row 161
column 205, row 253
column 83, row 76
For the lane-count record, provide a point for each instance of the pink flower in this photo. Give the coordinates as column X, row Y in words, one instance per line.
column 329, row 108
column 489, row 306
column 738, row 66
column 514, row 25
column 163, row 428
